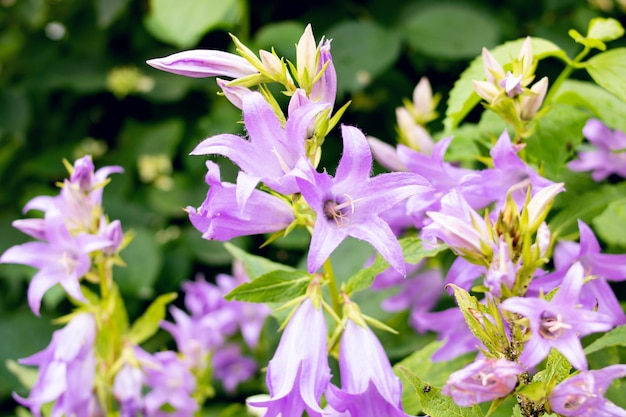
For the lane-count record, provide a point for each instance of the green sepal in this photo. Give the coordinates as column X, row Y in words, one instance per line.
column 112, row 324
column 148, row 323
column 434, row 402
column 274, row 287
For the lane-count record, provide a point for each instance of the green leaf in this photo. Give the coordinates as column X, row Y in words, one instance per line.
column 556, row 134
column 616, row 337
column 434, row 402
column 274, row 287
column 183, row 23
column 462, row 96
column 358, row 62
column 600, row 102
column 584, row 206
column 434, row 373
column 473, row 29
column 608, row 69
column 413, row 252
column 109, row 10
column 148, row 323
column 556, row 370
column 605, row 29
column 611, row 224
column 256, row 266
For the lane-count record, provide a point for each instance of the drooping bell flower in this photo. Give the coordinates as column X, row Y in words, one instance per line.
column 298, row 373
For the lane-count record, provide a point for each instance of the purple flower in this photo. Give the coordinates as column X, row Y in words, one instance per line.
column 608, row 157
column 325, row 89
column 170, row 382
column 558, row 323
column 230, row 367
column 67, row 370
column 443, row 176
column 127, row 387
column 350, row 204
column 582, row 395
column 509, row 170
column 63, row 259
column 201, row 63
column 451, row 328
column 272, row 152
column 482, row 380
column 298, row 373
column 368, row 385
column 220, row 217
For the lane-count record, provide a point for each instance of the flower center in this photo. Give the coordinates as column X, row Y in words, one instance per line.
column 339, row 212
column 552, row 325
column 573, row 402
column 485, row 378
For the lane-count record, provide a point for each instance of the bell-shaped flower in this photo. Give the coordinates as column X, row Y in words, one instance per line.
column 350, row 204
column 369, row 388
column 582, row 395
column 482, row 380
column 558, row 323
column 201, row 63
column 271, row 153
column 298, row 374
column 608, row 157
column 67, row 369
column 221, row 218
column 127, row 390
column 231, row 367
column 63, row 259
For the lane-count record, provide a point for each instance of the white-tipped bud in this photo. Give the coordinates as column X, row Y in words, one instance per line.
column 493, row 69
column 385, row 154
column 423, row 97
column 306, row 54
column 415, row 136
column 486, row 90
column 540, row 204
column 532, row 101
column 234, row 94
column 526, row 58
column 274, row 67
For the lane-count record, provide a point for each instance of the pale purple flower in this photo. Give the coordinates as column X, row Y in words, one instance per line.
column 386, row 155
column 67, row 369
column 558, row 323
column 271, row 153
column 298, row 373
column 511, row 84
column 231, row 367
column 63, row 259
column 325, row 89
column 608, row 157
column 502, row 270
column 509, row 171
column 220, row 217
column 127, row 390
column 443, row 176
column 604, row 267
column 482, row 380
column 350, row 204
column 170, row 382
column 451, row 328
column 368, row 385
column 201, row 63
column 582, row 395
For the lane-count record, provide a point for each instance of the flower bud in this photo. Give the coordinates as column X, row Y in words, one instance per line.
column 201, row 63
column 532, row 101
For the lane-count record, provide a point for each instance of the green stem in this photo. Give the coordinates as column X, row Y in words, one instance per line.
column 332, row 287
column 564, row 75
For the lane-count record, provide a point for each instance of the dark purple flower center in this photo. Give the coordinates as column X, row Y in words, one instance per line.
column 573, row 401
column 551, row 325
column 339, row 211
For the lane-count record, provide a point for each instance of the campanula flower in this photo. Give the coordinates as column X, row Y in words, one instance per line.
column 271, row 153
column 350, row 204
column 62, row 259
column 127, row 390
column 67, row 369
column 368, row 385
column 482, row 380
column 221, row 218
column 201, row 63
column 558, row 323
column 607, row 157
column 231, row 367
column 582, row 395
column 298, row 373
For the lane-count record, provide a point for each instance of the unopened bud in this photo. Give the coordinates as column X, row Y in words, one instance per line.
column 532, row 101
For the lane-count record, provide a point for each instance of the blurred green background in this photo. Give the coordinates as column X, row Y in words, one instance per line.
column 73, row 80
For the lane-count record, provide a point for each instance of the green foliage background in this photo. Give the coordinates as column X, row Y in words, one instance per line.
column 73, row 80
